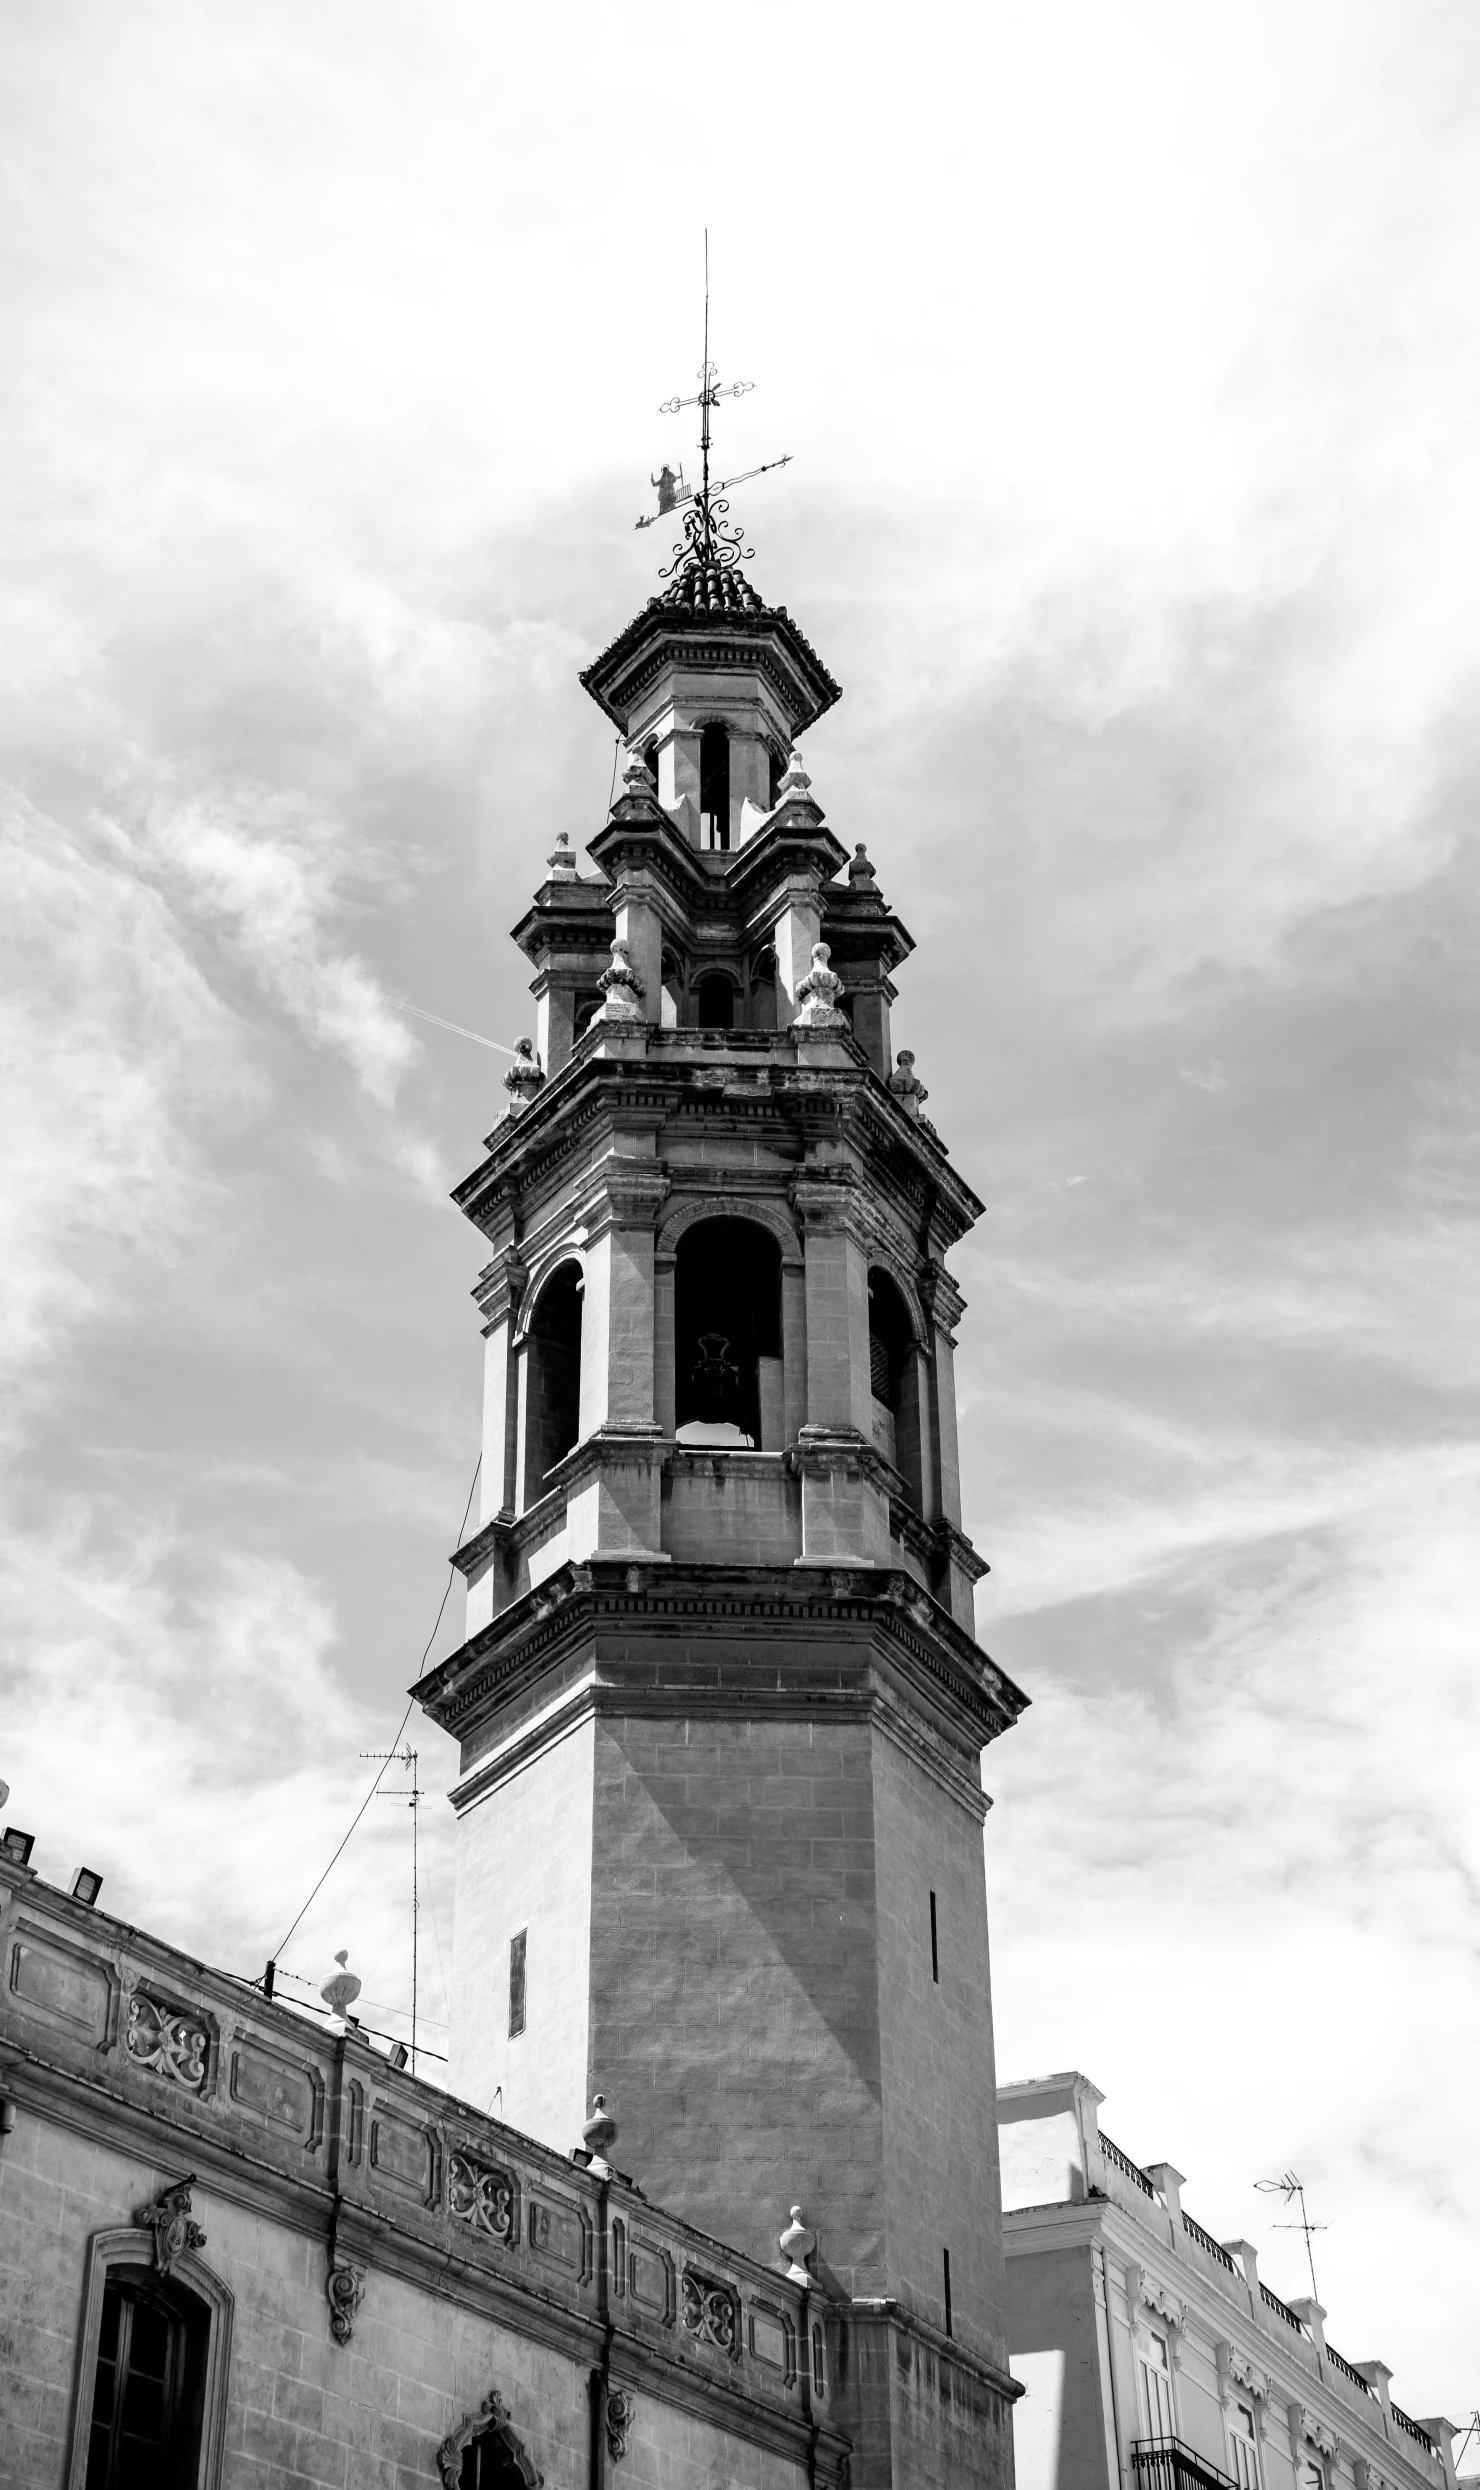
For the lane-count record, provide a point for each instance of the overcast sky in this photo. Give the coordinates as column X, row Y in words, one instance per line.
column 1128, row 357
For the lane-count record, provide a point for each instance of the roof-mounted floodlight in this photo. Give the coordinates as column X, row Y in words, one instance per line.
column 16, row 1845
column 87, row 1884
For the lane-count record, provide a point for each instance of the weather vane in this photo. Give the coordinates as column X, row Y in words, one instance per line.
column 706, row 539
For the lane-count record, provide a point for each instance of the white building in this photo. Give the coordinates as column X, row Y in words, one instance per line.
column 1153, row 2356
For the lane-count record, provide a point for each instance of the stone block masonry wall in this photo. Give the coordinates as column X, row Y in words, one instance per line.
column 474, row 2259
column 940, row 2134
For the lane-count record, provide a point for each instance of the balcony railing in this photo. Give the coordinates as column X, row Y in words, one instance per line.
column 1412, row 2427
column 1166, row 2464
column 1352, row 2376
column 1272, row 2300
column 1208, row 2244
column 1124, row 2164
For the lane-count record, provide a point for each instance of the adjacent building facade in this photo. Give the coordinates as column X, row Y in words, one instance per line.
column 1153, row 2356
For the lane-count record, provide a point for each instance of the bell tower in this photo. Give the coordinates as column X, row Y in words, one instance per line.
column 721, row 1706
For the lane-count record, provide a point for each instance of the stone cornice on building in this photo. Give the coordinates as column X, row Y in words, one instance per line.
column 766, row 641
column 882, row 1615
column 314, row 2129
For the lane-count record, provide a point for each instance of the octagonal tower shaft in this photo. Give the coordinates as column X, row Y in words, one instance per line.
column 720, row 1705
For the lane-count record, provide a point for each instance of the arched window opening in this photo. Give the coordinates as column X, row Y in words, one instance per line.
column 489, row 2464
column 670, row 1001
column 650, row 758
column 894, row 1380
column 778, row 772
column 714, row 786
column 148, row 2401
column 552, row 1404
column 763, row 988
column 727, row 1336
column 716, row 1002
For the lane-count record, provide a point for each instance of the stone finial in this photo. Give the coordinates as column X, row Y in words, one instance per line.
column 600, row 2134
column 911, row 1093
column 339, row 1992
column 562, row 860
column 637, row 778
column 794, row 780
column 798, row 2245
column 524, row 1077
column 622, row 987
column 818, row 993
column 860, row 872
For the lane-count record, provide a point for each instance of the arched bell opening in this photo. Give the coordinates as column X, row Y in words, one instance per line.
column 552, row 1378
column 714, row 786
column 671, row 999
column 650, row 758
column 715, row 1000
column 775, row 774
column 763, row 988
column 896, row 1381
column 727, row 1336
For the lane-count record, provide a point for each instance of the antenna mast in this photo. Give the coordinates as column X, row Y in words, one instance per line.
column 1292, row 2189
column 410, row 1757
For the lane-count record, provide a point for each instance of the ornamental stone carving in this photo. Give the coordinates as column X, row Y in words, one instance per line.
column 169, row 2218
column 621, row 986
column 491, row 2420
column 1237, row 2370
column 1148, row 2293
column 484, row 2196
column 172, row 2044
column 911, row 1093
column 344, row 2289
column 621, row 2410
column 860, row 872
column 797, row 2243
column 525, row 1076
column 561, row 860
column 710, row 2311
column 818, row 994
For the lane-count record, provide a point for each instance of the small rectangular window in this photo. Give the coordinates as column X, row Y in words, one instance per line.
column 934, row 1946
column 516, row 1983
column 946, row 2254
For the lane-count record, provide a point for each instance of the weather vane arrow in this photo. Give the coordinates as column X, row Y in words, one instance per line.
column 704, row 538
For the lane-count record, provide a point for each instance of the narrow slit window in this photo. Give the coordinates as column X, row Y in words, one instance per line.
column 946, row 2257
column 517, row 1947
column 934, row 1946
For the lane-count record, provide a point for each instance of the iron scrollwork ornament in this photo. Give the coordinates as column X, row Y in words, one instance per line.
column 170, row 2220
column 710, row 542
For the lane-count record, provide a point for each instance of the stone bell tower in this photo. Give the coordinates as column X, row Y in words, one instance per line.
column 721, row 1706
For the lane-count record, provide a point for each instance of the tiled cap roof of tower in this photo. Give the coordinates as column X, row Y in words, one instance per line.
column 709, row 587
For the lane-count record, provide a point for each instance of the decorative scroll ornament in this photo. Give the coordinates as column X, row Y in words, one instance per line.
column 818, row 993
column 910, row 1092
column 491, row 2420
column 170, row 2221
column 711, row 2311
column 622, row 987
column 798, row 2245
column 484, row 2197
column 524, row 1077
column 344, row 2289
column 621, row 2411
column 168, row 2043
column 705, row 569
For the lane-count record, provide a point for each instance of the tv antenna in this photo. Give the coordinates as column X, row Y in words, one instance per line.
column 704, row 537
column 408, row 1756
column 1293, row 2192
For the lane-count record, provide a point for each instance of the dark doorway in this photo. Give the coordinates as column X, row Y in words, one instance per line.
column 552, row 1402
column 716, row 1002
column 714, row 787
column 727, row 1335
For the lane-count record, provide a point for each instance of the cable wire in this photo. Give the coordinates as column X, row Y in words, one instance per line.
column 395, row 1742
